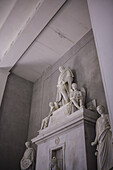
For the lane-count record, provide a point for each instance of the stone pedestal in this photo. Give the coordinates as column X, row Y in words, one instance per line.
column 68, row 137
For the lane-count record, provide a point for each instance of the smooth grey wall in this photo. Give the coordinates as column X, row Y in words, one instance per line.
column 14, row 121
column 83, row 61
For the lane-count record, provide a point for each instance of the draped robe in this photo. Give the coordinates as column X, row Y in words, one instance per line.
column 104, row 145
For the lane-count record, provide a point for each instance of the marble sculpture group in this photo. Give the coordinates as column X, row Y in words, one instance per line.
column 68, row 92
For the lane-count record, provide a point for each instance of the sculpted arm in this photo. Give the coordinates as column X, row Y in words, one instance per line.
column 70, row 79
column 110, row 127
column 96, row 138
column 108, row 120
column 81, row 99
column 32, row 156
column 75, row 104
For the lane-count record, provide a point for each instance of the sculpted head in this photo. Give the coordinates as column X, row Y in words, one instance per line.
column 74, row 86
column 27, row 144
column 54, row 160
column 61, row 68
column 100, row 109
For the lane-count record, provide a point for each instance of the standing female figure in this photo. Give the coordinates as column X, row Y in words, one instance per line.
column 103, row 140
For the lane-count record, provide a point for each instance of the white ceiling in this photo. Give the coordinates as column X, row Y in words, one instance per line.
column 67, row 27
column 13, row 14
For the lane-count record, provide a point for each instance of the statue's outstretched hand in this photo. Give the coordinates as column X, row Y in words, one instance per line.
column 93, row 143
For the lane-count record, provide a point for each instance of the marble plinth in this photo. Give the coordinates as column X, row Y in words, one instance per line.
column 69, row 135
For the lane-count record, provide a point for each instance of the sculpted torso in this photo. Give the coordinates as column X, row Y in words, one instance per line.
column 103, row 124
column 64, row 85
column 26, row 162
column 27, row 154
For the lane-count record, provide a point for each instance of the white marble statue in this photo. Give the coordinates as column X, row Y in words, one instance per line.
column 103, row 140
column 27, row 161
column 54, row 163
column 64, row 85
column 53, row 106
column 77, row 97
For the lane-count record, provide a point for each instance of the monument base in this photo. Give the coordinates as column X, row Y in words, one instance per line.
column 68, row 138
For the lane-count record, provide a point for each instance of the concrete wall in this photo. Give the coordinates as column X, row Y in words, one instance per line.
column 103, row 28
column 83, row 61
column 14, row 121
column 3, row 79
